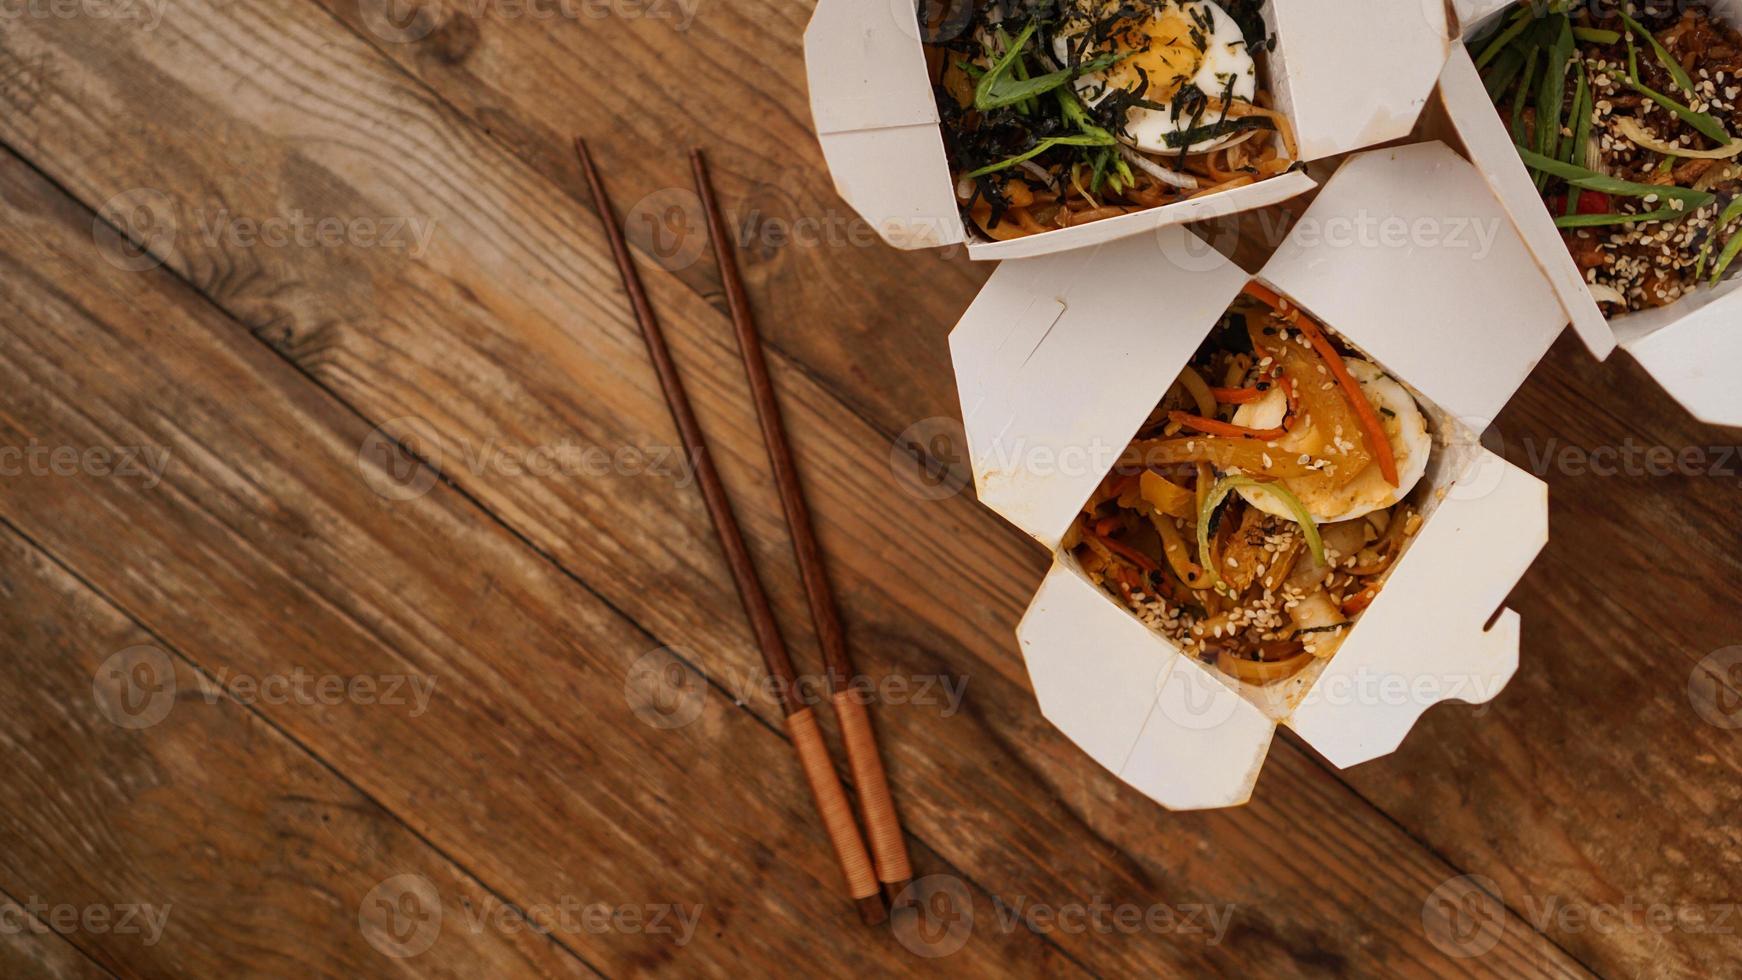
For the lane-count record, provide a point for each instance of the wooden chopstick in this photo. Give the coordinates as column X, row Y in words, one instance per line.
column 877, row 805
column 801, row 723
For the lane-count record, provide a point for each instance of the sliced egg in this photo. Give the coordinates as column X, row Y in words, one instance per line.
column 1167, row 45
column 1405, row 428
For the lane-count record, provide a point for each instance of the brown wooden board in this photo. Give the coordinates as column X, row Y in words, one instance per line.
column 507, row 332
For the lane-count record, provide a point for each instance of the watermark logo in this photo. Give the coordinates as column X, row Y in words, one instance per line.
column 143, row 463
column 569, row 916
column 402, row 916
column 1462, row 918
column 146, row 13
column 1715, row 688
column 662, row 691
column 667, row 226
column 934, row 916
column 399, row 458
column 138, row 230
column 929, row 459
column 124, row 919
column 396, row 21
column 135, row 230
column 135, row 687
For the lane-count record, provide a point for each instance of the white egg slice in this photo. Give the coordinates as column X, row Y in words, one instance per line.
column 1180, row 42
column 1405, row 428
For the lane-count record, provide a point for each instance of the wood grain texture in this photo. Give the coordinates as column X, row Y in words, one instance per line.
column 29, row 947
column 506, row 333
column 555, row 759
column 260, row 860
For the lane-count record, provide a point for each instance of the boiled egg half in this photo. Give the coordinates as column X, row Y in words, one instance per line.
column 1166, row 45
column 1405, row 428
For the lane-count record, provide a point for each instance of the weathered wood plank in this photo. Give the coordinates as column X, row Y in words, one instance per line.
column 505, row 332
column 30, row 948
column 168, row 831
column 263, row 552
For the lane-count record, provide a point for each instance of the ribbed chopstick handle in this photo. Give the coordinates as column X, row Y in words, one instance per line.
column 888, row 847
column 832, row 803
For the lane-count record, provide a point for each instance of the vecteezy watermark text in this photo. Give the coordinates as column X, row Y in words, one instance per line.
column 120, row 919
column 137, row 688
column 936, row 915
column 403, row 916
column 143, row 463
column 147, row 13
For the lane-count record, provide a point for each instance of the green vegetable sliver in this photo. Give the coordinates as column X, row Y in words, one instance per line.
column 1708, row 126
column 1520, row 21
column 1670, row 65
column 1227, row 484
column 1592, row 181
column 1733, row 245
column 1039, row 148
column 1616, row 218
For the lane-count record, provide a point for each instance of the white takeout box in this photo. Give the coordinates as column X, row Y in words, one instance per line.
column 877, row 121
column 1061, row 358
column 1689, row 346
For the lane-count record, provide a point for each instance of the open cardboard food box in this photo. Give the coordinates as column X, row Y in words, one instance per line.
column 1061, row 358
column 877, row 120
column 1689, row 346
column 1064, row 353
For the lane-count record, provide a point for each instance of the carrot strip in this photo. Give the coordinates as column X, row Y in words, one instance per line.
column 1364, row 412
column 1217, row 427
column 1106, row 526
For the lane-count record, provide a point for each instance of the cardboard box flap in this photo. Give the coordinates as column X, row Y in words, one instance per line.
column 1358, row 73
column 1203, row 744
column 1126, row 696
column 1424, row 639
column 1692, row 349
column 1060, row 359
column 1094, row 675
column 1490, row 148
column 877, row 122
column 1407, row 255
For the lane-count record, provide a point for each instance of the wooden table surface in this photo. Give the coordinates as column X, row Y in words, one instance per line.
column 362, row 619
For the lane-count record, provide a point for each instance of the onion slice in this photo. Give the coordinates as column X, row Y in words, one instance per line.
column 1172, row 178
column 1631, row 129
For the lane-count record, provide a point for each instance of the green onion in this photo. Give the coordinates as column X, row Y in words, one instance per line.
column 1592, row 181
column 1709, row 127
column 1520, row 21
column 1004, row 92
column 1582, row 108
column 1615, row 218
column 984, row 95
column 1039, row 148
column 1554, row 91
column 1220, row 491
column 1501, row 73
column 1669, row 64
column 1518, row 97
column 1732, row 246
column 1596, row 35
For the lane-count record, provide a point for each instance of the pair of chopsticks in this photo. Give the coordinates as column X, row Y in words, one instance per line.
column 877, row 807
